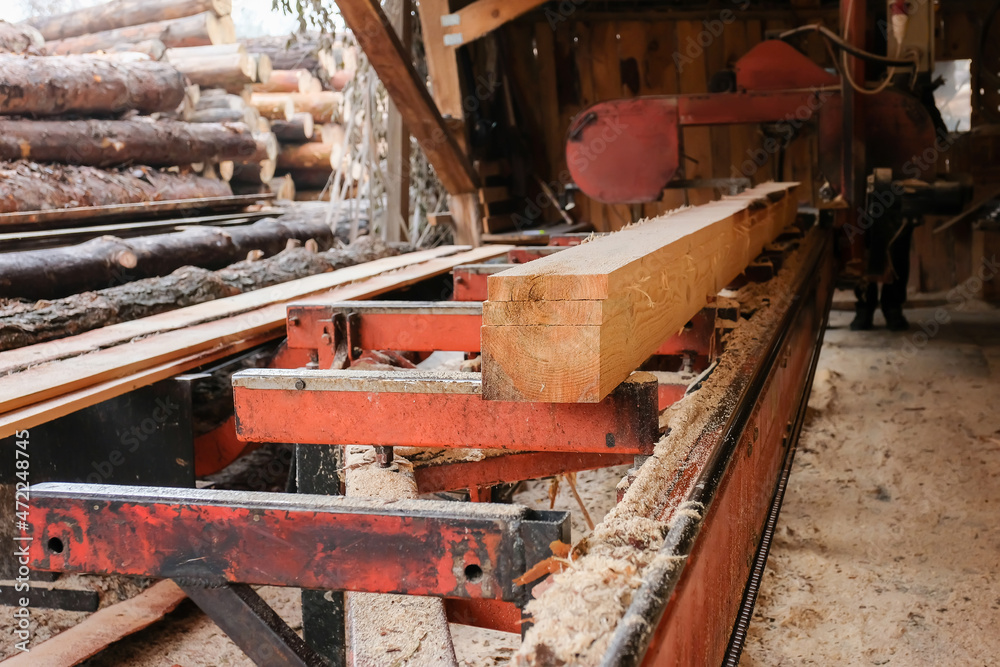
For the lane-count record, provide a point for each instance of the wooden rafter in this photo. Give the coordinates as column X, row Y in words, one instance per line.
column 482, row 17
column 391, row 61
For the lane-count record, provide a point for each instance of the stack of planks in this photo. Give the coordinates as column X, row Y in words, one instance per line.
column 572, row 326
column 43, row 381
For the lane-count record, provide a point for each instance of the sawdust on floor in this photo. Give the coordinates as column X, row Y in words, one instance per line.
column 887, row 550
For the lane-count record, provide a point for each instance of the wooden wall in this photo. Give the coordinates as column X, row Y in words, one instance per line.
column 579, row 63
column 559, row 64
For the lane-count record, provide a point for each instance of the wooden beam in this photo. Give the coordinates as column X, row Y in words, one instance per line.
column 420, row 114
column 103, row 628
column 397, row 214
column 69, row 383
column 442, row 65
column 482, row 17
column 572, row 326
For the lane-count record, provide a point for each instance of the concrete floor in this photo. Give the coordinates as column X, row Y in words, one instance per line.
column 888, row 546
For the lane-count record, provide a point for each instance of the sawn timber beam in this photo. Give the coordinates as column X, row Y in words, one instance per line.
column 570, row 327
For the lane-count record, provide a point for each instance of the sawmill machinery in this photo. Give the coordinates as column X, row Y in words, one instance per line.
column 695, row 598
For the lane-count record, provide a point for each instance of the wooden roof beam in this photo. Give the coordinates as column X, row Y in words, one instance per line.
column 482, row 17
column 391, row 61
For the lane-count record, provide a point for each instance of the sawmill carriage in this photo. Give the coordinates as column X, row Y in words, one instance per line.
column 652, row 206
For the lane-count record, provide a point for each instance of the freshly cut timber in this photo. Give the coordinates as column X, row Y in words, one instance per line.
column 307, row 156
column 247, row 115
column 153, row 48
column 297, row 130
column 46, row 85
column 571, row 326
column 323, row 107
column 19, row 38
column 273, row 106
column 289, row 81
column 121, row 14
column 105, row 143
column 27, row 324
column 255, row 173
column 197, row 30
column 231, row 71
column 101, row 262
column 29, row 186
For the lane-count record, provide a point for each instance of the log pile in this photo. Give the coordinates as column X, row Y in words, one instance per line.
column 172, row 82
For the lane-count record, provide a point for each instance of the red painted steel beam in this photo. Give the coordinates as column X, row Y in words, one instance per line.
column 509, row 468
column 416, row 547
column 470, row 280
column 436, row 409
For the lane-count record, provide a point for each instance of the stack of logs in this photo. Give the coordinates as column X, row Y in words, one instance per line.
column 303, row 113
column 177, row 91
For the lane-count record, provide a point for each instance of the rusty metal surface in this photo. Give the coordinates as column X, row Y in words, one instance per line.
column 685, row 615
column 436, row 409
column 417, row 547
column 508, row 468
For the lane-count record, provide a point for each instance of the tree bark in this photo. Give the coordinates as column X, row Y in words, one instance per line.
column 18, row 38
column 27, row 324
column 28, row 186
column 46, row 86
column 253, row 172
column 121, row 14
column 303, row 53
column 298, row 130
column 247, row 115
column 196, row 30
column 309, row 179
column 105, row 143
column 99, row 263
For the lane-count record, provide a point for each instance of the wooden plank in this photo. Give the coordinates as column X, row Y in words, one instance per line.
column 103, row 628
column 485, row 16
column 13, row 361
column 397, row 210
column 642, row 285
column 419, row 624
column 394, row 67
column 71, row 401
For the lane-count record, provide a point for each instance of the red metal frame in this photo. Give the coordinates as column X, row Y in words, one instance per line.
column 511, row 467
column 421, row 409
column 308, row 541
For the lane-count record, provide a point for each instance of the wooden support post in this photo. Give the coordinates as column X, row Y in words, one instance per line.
column 417, row 627
column 467, row 216
column 442, row 66
column 399, row 145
